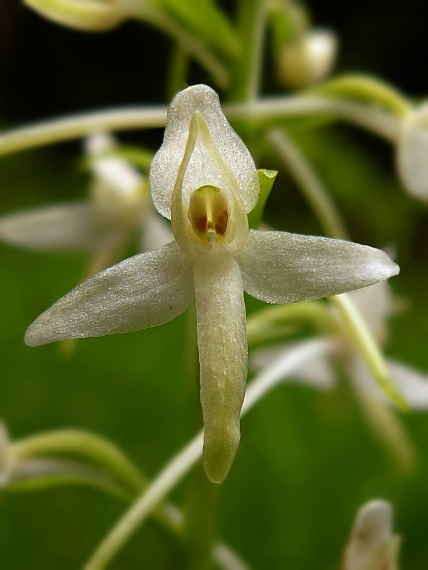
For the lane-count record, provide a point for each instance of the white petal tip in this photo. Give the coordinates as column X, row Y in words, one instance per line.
column 374, row 517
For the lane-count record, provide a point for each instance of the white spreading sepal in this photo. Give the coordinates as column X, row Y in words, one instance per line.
column 141, row 292
column 280, row 267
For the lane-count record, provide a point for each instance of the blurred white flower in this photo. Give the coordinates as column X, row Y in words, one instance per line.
column 372, row 546
column 376, row 304
column 119, row 206
column 5, row 456
column 412, row 153
column 204, row 179
column 307, row 59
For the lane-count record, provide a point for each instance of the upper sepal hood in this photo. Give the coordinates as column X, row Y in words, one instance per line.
column 201, row 169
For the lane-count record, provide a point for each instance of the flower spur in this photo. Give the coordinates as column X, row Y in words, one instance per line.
column 204, row 179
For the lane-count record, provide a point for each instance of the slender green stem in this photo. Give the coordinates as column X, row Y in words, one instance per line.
column 41, row 473
column 271, row 321
column 83, row 444
column 177, row 73
column 363, row 339
column 245, row 80
column 271, row 110
column 259, row 112
column 386, row 427
column 175, row 470
column 34, row 469
column 68, row 128
column 330, row 220
column 155, row 15
column 309, row 183
column 369, row 89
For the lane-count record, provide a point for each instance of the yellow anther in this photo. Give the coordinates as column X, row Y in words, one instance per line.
column 209, row 213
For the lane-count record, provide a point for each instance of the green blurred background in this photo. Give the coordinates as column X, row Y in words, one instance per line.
column 307, row 459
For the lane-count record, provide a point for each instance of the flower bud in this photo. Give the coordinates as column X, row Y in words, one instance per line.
column 412, row 153
column 307, row 59
column 87, row 15
column 372, row 545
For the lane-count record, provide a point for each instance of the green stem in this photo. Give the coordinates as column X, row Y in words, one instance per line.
column 271, row 322
column 271, row 110
column 41, row 473
column 245, row 78
column 257, row 113
column 387, row 428
column 369, row 350
column 158, row 17
column 331, row 222
column 68, row 128
column 177, row 468
column 367, row 89
column 310, row 185
column 89, row 446
column 178, row 69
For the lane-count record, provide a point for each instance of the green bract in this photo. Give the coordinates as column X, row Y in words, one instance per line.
column 204, row 179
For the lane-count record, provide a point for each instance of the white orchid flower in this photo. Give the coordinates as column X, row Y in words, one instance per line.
column 204, row 179
column 412, row 152
column 372, row 545
column 119, row 206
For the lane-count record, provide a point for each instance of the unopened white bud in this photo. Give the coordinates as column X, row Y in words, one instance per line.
column 372, row 545
column 87, row 15
column 412, row 153
column 307, row 59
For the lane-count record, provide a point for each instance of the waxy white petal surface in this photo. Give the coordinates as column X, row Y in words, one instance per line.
column 222, row 342
column 201, row 170
column 280, row 267
column 143, row 291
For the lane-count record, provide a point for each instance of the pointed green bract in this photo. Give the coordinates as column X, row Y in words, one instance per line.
column 266, row 179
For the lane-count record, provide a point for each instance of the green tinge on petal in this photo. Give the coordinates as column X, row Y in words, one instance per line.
column 143, row 291
column 223, row 358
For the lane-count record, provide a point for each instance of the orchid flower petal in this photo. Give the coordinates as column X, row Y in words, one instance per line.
column 155, row 231
column 78, row 226
column 280, row 267
column 222, row 345
column 372, row 545
column 411, row 383
column 412, row 149
column 316, row 371
column 141, row 292
column 203, row 168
